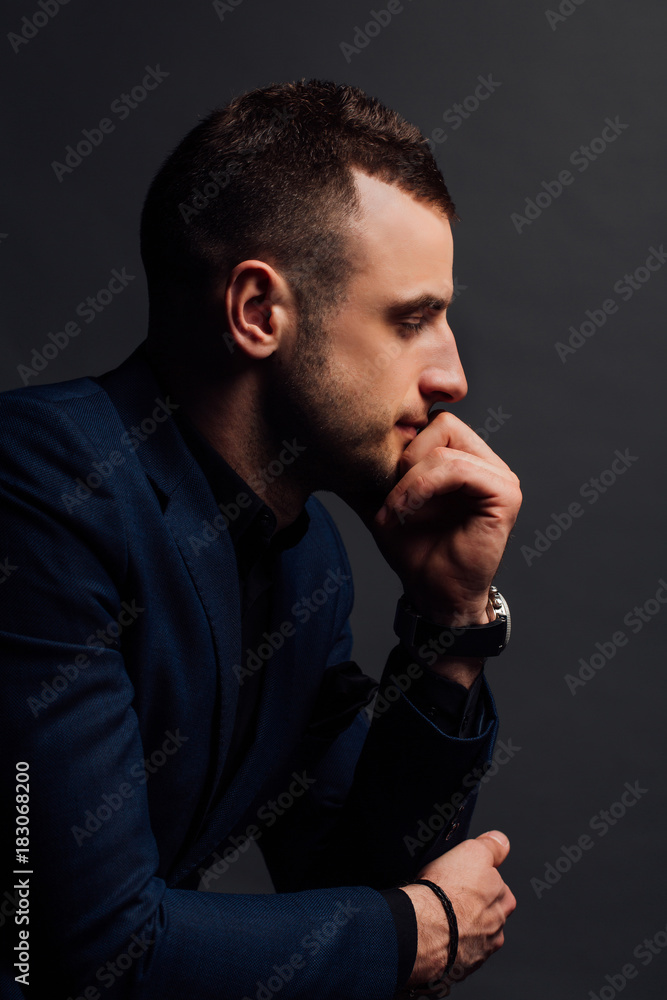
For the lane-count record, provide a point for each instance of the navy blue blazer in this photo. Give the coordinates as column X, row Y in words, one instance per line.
column 121, row 646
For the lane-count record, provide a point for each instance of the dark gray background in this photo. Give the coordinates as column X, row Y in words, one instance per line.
column 60, row 241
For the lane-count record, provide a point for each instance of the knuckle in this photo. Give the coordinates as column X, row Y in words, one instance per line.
column 442, row 417
column 442, row 453
column 423, row 488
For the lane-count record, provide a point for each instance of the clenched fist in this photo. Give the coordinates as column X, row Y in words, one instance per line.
column 444, row 526
column 482, row 903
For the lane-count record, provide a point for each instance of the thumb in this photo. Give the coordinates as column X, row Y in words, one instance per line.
column 497, row 843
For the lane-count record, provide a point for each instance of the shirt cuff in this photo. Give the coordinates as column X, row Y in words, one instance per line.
column 405, row 919
column 456, row 710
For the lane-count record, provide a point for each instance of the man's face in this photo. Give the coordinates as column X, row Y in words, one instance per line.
column 355, row 390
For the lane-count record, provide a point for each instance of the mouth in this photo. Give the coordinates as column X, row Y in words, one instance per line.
column 410, row 430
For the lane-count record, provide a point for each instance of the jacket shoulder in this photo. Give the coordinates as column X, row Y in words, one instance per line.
column 75, row 409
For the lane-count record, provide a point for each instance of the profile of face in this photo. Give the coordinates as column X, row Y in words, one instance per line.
column 357, row 389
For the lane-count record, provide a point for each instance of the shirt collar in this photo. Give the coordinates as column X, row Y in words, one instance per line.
column 251, row 522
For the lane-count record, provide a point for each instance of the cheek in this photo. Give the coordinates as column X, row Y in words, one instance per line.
column 373, row 380
column 366, row 348
column 388, row 365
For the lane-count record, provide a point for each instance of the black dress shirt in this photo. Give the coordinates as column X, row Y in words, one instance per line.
column 252, row 529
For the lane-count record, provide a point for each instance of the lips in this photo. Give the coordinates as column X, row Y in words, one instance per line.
column 415, row 425
column 408, row 429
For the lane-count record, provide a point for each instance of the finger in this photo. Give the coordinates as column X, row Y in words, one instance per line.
column 509, row 902
column 497, row 843
column 449, row 431
column 445, row 471
column 497, row 941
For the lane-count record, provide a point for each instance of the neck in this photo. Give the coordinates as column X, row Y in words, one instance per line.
column 226, row 412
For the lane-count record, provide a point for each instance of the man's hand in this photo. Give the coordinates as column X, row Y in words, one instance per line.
column 482, row 903
column 444, row 526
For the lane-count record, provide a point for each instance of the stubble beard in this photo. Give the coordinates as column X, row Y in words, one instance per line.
column 348, row 451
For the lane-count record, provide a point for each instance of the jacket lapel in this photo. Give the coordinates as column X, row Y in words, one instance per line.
column 189, row 507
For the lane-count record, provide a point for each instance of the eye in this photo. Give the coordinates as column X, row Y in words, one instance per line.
column 414, row 327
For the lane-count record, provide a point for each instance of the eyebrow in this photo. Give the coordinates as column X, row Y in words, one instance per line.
column 424, row 301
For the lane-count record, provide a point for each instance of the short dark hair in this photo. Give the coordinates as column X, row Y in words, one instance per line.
column 268, row 176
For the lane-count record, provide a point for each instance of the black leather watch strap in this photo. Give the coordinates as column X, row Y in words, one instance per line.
column 470, row 640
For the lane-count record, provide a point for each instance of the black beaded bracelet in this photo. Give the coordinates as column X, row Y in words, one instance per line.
column 453, row 931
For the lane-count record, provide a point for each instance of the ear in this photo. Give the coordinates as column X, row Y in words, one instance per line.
column 258, row 308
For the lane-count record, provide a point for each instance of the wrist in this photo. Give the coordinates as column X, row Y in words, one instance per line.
column 463, row 669
column 468, row 640
column 475, row 613
column 432, row 935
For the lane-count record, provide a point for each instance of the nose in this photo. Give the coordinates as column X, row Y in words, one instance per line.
column 444, row 382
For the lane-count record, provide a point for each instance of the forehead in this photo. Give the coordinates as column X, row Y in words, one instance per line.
column 402, row 245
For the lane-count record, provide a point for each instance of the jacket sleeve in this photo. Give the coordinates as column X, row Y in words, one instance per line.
column 392, row 790
column 102, row 923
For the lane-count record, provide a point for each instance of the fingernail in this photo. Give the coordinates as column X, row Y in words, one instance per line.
column 382, row 514
column 497, row 835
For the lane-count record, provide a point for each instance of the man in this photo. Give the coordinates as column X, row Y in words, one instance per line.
column 176, row 635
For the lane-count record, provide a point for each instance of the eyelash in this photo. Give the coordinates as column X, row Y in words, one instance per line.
column 414, row 327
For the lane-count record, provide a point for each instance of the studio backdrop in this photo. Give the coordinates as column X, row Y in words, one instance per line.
column 549, row 126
